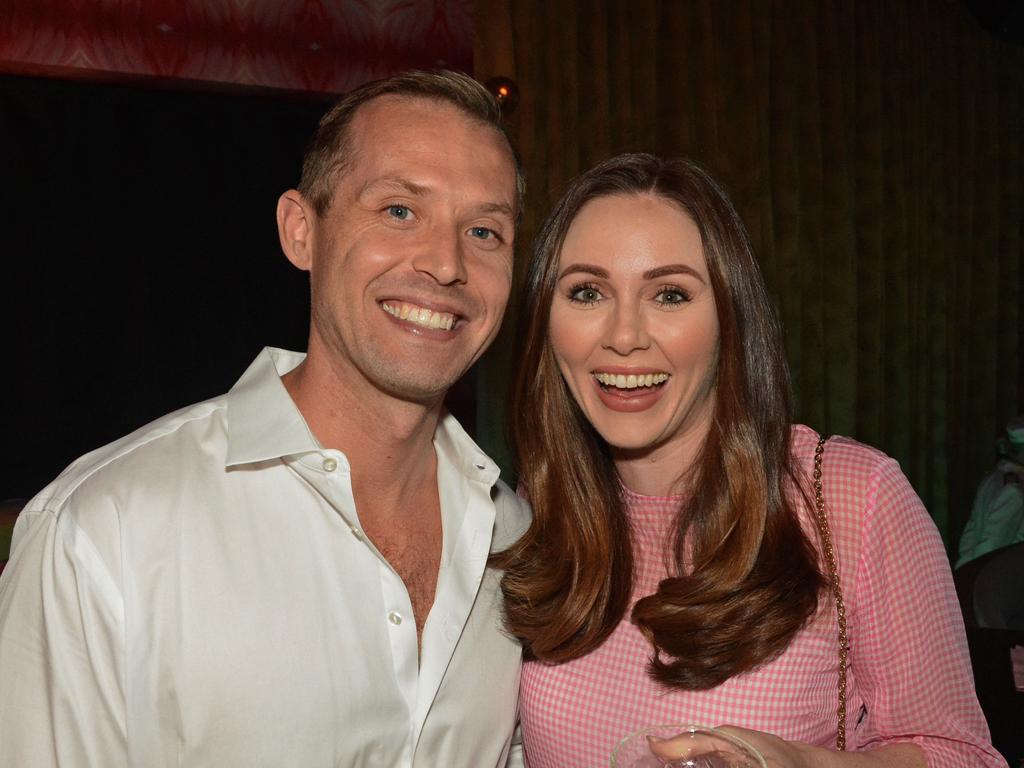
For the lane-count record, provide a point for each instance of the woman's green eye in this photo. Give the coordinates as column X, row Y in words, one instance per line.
column 586, row 295
column 672, row 297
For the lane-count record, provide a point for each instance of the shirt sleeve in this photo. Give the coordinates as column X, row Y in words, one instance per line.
column 908, row 649
column 62, row 699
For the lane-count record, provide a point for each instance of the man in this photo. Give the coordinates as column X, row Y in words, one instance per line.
column 293, row 574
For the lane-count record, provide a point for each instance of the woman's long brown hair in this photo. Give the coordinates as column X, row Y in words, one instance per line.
column 754, row 580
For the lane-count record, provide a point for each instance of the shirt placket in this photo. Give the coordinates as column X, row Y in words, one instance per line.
column 329, row 473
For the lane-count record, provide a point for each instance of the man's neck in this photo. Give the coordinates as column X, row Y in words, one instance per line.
column 390, row 448
column 388, row 441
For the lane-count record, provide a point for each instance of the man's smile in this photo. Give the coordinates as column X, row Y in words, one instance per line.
column 421, row 316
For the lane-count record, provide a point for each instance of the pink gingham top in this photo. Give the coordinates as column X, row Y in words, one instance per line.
column 909, row 678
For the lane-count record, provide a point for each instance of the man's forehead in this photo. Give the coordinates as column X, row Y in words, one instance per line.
column 392, row 109
column 416, row 114
column 385, row 127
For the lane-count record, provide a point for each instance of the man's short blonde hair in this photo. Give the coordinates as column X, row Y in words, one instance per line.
column 330, row 150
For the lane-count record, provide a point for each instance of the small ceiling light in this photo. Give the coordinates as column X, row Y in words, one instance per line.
column 505, row 91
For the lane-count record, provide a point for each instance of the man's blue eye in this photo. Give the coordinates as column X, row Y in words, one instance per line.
column 399, row 211
column 482, row 232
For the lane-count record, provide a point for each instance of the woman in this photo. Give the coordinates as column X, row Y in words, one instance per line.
column 674, row 571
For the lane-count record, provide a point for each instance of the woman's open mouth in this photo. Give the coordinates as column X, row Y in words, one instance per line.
column 622, row 383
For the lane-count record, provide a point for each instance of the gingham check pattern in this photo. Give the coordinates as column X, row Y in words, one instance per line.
column 910, row 676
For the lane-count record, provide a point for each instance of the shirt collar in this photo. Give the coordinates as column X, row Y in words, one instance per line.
column 454, row 446
column 263, row 420
column 264, row 423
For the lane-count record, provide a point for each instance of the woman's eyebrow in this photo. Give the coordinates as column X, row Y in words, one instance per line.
column 588, row 269
column 672, row 269
column 651, row 274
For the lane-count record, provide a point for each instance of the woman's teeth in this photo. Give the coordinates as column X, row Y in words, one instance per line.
column 420, row 315
column 630, row 381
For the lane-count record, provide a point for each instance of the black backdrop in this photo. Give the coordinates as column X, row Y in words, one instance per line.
column 140, row 262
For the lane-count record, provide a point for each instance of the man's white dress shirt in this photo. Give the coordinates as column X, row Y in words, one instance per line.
column 200, row 593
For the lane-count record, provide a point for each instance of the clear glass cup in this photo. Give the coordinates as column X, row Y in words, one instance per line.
column 685, row 746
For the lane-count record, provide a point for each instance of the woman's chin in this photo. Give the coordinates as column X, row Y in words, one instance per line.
column 631, row 446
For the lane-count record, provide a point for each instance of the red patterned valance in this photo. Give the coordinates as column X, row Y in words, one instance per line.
column 304, row 45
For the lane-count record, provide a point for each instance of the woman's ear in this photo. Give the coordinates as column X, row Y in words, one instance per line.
column 296, row 227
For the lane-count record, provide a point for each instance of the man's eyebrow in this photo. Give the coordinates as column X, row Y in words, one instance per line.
column 503, row 208
column 396, row 184
column 672, row 269
column 587, row 269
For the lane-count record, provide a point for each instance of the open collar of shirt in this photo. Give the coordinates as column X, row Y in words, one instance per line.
column 265, row 424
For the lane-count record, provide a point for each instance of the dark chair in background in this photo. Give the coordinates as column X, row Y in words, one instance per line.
column 991, row 596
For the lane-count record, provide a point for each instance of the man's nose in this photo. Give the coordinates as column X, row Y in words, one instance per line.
column 442, row 256
column 627, row 329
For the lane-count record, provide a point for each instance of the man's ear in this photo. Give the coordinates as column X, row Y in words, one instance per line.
column 296, row 227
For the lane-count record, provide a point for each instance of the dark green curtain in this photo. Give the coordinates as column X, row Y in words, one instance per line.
column 873, row 150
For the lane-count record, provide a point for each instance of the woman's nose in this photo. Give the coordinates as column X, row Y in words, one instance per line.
column 627, row 329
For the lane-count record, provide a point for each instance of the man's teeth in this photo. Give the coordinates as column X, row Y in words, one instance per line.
column 622, row 381
column 420, row 315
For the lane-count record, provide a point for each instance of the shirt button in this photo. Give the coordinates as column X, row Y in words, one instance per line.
column 395, row 618
column 357, row 533
column 329, row 465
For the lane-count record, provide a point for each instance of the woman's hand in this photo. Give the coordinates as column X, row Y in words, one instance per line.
column 779, row 753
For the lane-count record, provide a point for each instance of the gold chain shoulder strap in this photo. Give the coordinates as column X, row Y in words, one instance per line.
column 833, row 572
